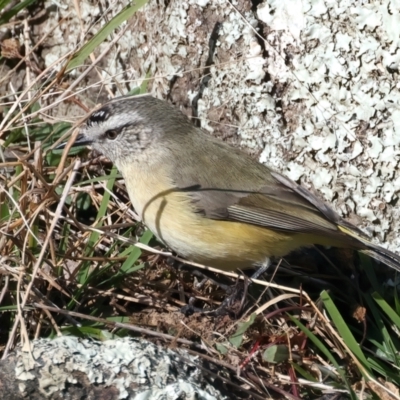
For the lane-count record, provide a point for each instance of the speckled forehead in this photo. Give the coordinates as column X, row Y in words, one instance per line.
column 110, row 116
column 98, row 116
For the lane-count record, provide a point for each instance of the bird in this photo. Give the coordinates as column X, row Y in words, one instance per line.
column 207, row 201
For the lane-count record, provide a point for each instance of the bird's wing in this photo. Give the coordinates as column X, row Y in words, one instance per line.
column 251, row 192
column 260, row 208
column 280, row 204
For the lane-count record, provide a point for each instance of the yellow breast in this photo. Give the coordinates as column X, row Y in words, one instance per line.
column 171, row 216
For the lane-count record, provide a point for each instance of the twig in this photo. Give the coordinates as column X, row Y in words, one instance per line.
column 41, row 255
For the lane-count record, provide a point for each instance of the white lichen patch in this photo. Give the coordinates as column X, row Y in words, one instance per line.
column 352, row 94
column 137, row 368
column 66, row 37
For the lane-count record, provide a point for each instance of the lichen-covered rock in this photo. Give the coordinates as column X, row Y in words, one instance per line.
column 69, row 367
column 312, row 86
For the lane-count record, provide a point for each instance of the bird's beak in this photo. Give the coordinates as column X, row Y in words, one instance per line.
column 80, row 140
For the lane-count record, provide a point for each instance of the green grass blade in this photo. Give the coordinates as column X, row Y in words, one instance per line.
column 237, row 338
column 384, row 369
column 324, row 350
column 79, row 58
column 305, row 374
column 388, row 345
column 94, row 237
column 3, row 3
column 97, row 179
column 142, row 89
column 397, row 302
column 129, row 265
column 369, row 269
column 4, row 208
column 344, row 330
column 394, row 317
column 14, row 11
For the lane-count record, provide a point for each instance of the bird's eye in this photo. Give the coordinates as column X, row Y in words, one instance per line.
column 111, row 134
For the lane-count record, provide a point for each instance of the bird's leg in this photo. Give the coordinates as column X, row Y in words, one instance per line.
column 263, row 268
column 190, row 309
column 240, row 292
column 235, row 293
